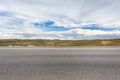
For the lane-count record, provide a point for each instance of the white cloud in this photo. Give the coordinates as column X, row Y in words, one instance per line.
column 82, row 11
column 74, row 34
column 66, row 13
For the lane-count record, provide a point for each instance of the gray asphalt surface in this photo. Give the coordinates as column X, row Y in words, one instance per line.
column 100, row 63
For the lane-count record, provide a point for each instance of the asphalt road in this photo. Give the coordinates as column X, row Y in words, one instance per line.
column 101, row 63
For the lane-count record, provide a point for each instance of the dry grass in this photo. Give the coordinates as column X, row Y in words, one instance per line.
column 113, row 42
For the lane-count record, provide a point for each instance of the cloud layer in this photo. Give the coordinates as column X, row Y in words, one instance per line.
column 59, row 19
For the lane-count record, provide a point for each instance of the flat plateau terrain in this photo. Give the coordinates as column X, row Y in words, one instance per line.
column 80, row 63
column 15, row 42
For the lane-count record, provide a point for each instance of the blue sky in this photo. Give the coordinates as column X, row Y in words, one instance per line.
column 59, row 19
column 49, row 26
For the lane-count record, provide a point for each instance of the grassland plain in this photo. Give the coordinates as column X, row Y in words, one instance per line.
column 17, row 42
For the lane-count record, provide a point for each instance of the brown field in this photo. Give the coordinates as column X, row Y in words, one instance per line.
column 112, row 42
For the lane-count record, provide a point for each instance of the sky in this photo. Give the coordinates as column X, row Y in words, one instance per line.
column 60, row 19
